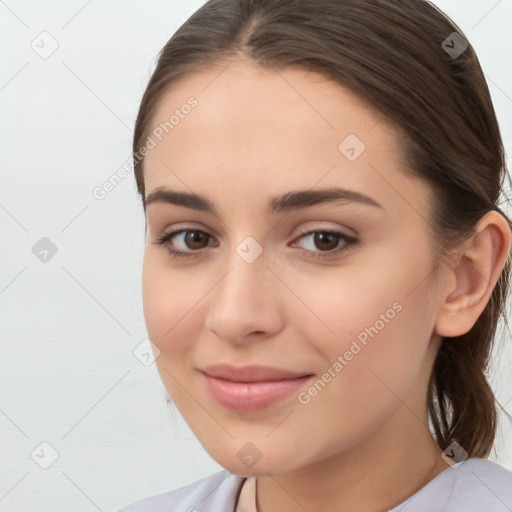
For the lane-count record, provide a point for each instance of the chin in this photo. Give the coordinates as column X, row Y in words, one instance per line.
column 259, row 469
column 247, row 460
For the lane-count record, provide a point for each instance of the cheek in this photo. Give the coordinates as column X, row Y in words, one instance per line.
column 384, row 292
column 373, row 323
column 369, row 367
column 346, row 304
column 171, row 303
column 170, row 300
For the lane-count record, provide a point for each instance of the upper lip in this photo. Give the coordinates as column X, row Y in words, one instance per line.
column 251, row 373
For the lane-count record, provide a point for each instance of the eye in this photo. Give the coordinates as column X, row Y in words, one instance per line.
column 328, row 242
column 191, row 241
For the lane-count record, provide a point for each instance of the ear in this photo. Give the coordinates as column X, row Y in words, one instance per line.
column 472, row 275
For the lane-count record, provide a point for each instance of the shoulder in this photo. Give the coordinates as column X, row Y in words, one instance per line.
column 482, row 485
column 218, row 491
column 471, row 486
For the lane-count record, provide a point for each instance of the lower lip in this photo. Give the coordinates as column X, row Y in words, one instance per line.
column 252, row 396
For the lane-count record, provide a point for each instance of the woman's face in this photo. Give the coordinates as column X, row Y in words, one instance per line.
column 338, row 291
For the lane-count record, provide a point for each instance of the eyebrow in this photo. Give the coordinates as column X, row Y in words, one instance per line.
column 276, row 204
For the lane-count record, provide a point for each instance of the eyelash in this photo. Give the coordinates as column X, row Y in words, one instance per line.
column 350, row 243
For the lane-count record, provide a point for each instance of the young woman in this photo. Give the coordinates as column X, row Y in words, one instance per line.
column 326, row 260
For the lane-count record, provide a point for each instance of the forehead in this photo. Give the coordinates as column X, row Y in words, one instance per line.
column 255, row 129
column 228, row 93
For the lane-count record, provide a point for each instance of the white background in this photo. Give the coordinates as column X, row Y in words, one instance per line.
column 68, row 327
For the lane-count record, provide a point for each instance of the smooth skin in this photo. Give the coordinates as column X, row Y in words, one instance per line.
column 362, row 443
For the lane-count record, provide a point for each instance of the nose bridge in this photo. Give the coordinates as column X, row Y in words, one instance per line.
column 243, row 300
column 244, row 284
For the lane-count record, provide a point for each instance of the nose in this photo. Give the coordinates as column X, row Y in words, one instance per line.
column 244, row 304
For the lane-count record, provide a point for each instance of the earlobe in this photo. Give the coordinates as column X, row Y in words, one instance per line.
column 473, row 274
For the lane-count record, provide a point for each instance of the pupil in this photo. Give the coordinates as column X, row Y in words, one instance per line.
column 320, row 239
column 193, row 237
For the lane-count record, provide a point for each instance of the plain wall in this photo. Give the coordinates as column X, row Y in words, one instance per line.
column 68, row 374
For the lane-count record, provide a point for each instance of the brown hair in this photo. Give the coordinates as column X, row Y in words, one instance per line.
column 401, row 57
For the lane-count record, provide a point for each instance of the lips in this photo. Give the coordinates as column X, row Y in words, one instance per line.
column 252, row 373
column 251, row 388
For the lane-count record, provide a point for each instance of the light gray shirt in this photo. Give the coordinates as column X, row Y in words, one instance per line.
column 475, row 485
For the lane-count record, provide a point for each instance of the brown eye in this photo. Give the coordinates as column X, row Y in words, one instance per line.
column 196, row 239
column 184, row 242
column 326, row 241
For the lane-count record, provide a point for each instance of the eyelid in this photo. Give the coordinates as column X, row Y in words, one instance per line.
column 350, row 241
column 324, row 229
